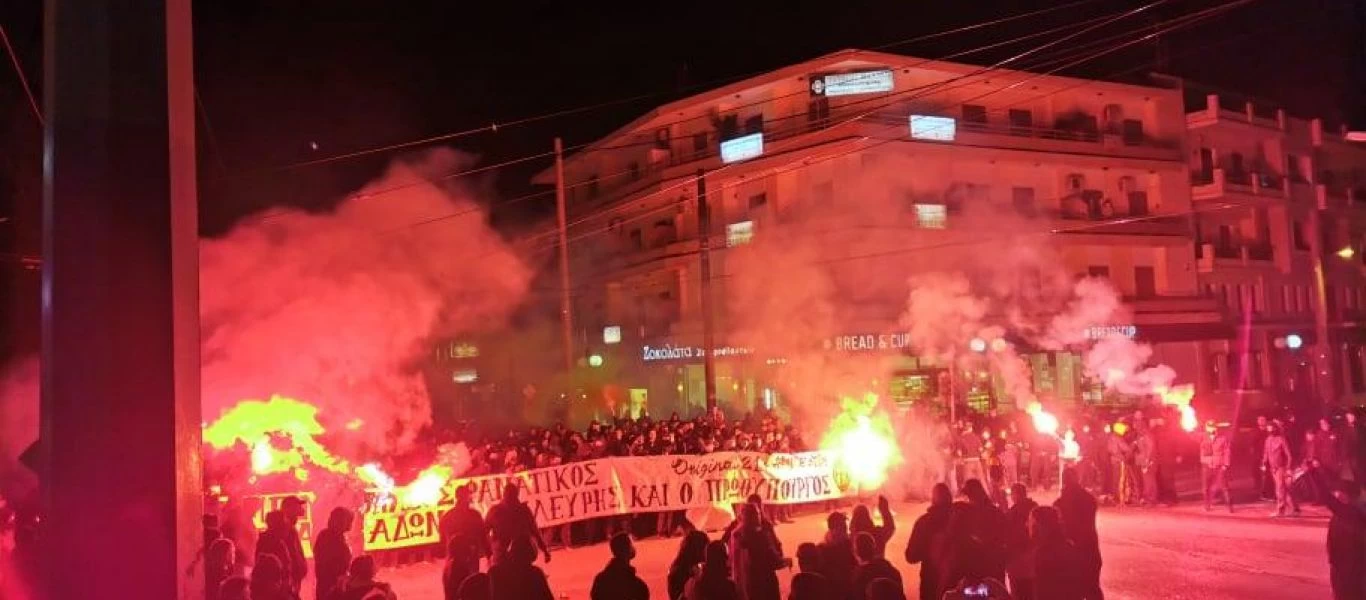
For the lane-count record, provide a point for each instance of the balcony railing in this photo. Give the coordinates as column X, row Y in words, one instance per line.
column 1208, row 184
column 1209, row 256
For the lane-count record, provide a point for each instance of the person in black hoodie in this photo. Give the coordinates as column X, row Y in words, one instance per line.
column 331, row 554
column 1346, row 539
column 1077, row 508
column 871, row 565
column 973, row 546
column 1018, row 567
column 837, row 554
column 928, row 529
column 618, row 581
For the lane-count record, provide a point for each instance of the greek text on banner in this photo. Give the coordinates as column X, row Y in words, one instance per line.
column 617, row 486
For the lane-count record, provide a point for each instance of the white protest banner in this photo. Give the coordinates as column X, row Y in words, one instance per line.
column 618, row 486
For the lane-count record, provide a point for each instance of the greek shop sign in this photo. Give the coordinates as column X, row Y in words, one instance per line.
column 685, row 352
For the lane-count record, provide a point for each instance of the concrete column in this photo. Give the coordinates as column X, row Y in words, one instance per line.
column 120, row 365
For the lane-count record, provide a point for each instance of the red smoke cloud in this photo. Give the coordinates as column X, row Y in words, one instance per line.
column 337, row 309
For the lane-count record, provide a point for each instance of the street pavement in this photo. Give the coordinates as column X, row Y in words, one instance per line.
column 1171, row 553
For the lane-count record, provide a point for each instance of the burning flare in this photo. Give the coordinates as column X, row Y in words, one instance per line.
column 259, row 426
column 425, row 490
column 1044, row 421
column 1180, row 397
column 862, row 440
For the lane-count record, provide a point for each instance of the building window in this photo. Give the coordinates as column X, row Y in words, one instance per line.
column 1132, row 132
column 974, row 115
column 1021, row 121
column 1353, row 356
column 758, row 201
column 1296, row 168
column 1098, row 271
column 931, row 216
column 1138, row 203
column 1214, row 374
column 1145, row 282
column 699, row 142
column 637, row 240
column 1301, row 240
column 818, row 110
column 1023, row 200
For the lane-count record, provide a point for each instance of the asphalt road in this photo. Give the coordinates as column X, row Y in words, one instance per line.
column 1170, row 553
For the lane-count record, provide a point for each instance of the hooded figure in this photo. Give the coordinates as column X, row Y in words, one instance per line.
column 973, row 547
column 755, row 557
column 872, row 566
column 1077, row 509
column 618, row 581
column 331, row 553
column 837, row 554
column 515, row 577
column 925, row 535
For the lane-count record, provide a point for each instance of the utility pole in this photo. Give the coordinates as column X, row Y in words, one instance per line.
column 704, row 251
column 566, row 316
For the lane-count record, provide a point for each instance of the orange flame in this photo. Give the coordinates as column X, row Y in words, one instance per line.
column 254, row 424
column 1044, row 421
column 1180, row 397
column 863, row 443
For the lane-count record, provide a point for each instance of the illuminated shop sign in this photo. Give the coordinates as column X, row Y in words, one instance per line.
column 867, row 342
column 942, row 129
column 850, row 84
column 1100, row 332
column 671, row 352
column 742, row 148
column 739, row 234
column 457, row 350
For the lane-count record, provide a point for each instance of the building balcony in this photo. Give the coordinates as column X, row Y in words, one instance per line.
column 1217, row 108
column 1209, row 257
column 1126, row 229
column 1218, row 183
column 1340, row 196
column 1041, row 139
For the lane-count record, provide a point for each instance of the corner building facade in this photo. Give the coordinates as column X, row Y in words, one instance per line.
column 934, row 152
column 1280, row 221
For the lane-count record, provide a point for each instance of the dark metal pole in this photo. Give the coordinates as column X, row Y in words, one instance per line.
column 120, row 413
column 704, row 251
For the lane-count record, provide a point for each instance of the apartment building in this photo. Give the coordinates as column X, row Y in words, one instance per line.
column 940, row 153
column 1280, row 207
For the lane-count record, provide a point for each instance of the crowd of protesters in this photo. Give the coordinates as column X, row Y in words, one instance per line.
column 970, row 548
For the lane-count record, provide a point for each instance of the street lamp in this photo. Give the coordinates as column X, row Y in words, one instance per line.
column 978, row 345
column 1346, row 253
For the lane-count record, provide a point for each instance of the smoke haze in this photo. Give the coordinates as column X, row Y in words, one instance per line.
column 337, row 309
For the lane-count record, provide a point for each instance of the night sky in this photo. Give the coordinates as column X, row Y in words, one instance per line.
column 276, row 77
